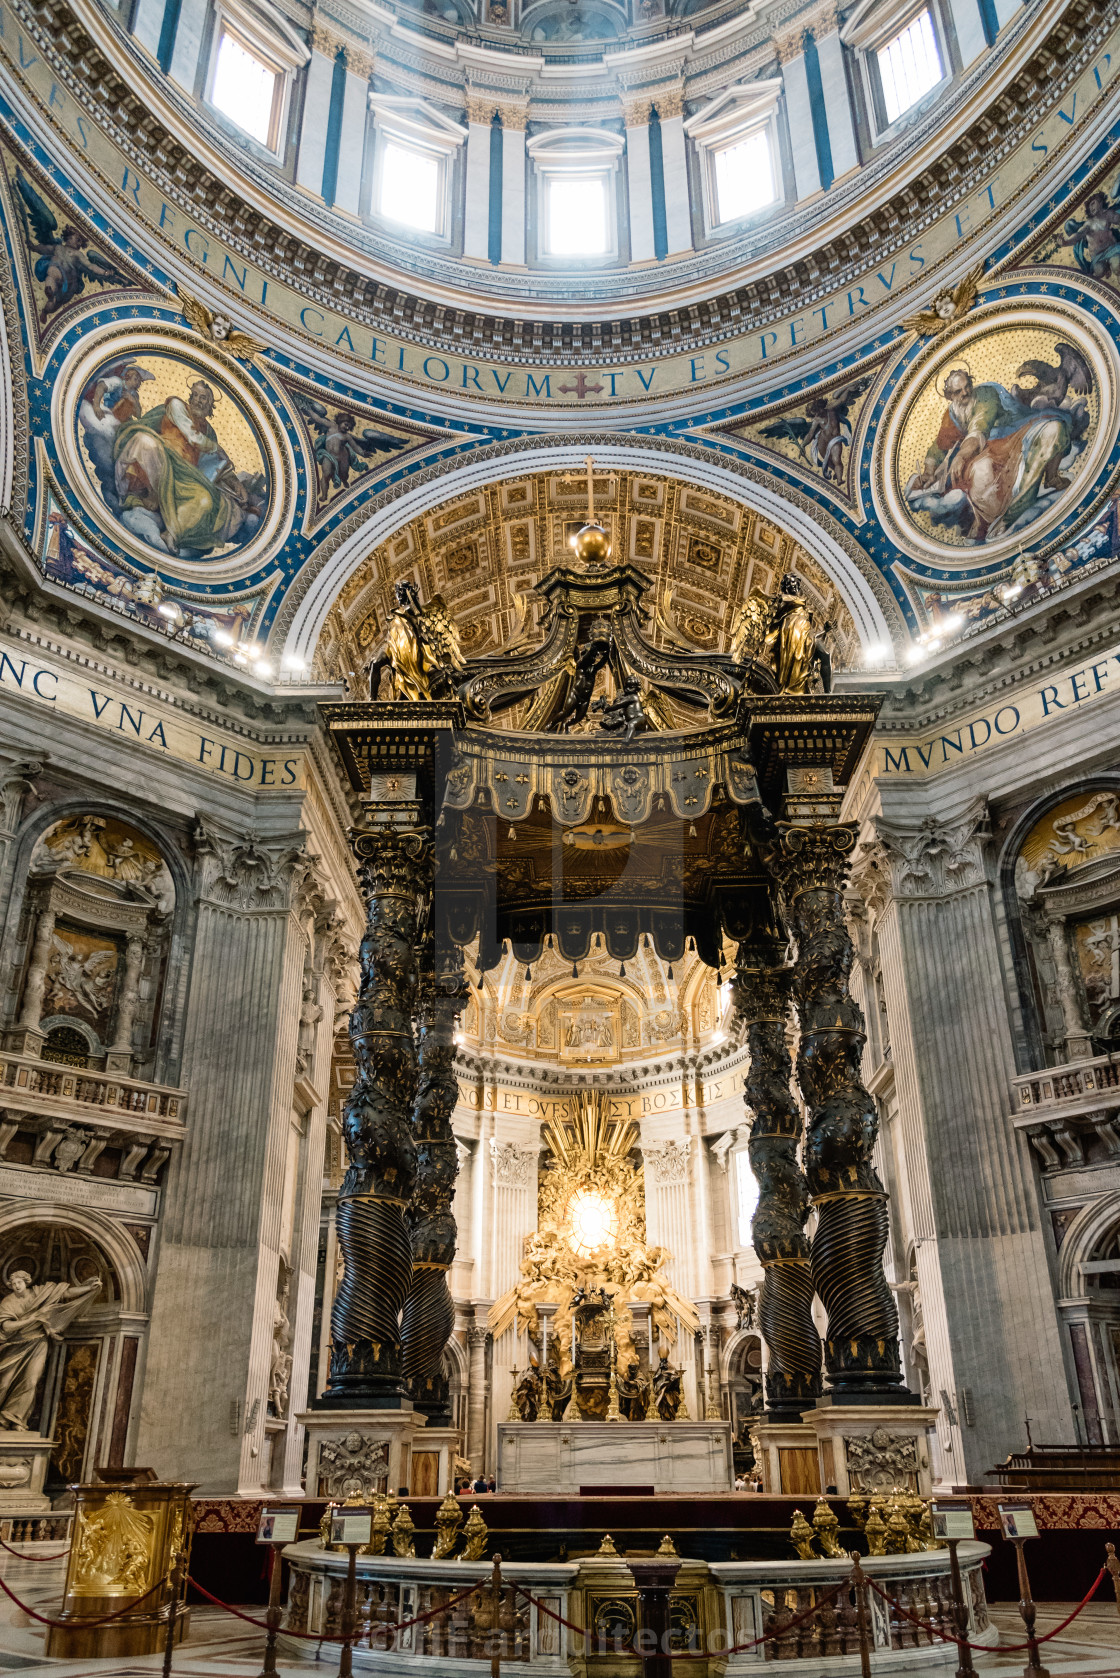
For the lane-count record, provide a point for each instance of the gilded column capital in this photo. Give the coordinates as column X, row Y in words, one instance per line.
column 635, row 113
column 482, row 108
column 325, row 40
column 669, row 104
column 360, row 61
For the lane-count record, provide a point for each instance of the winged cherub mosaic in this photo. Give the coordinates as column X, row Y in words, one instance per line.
column 64, row 260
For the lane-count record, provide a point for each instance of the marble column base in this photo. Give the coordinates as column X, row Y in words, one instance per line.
column 541, row 1458
column 787, row 1457
column 359, row 1452
column 892, row 1448
column 23, row 1468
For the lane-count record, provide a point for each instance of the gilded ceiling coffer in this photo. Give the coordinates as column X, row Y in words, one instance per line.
column 811, row 864
column 785, row 1306
column 429, row 1311
column 395, row 869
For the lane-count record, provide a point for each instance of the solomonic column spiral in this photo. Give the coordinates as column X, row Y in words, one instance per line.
column 373, row 1231
column 785, row 1307
column 861, row 1351
column 429, row 1313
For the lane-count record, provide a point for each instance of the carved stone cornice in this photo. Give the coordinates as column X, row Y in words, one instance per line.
column 934, row 859
column 244, row 871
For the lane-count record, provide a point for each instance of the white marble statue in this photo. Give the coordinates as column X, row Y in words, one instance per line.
column 30, row 1318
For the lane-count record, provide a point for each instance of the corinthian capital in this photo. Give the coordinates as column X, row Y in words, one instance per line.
column 935, row 858
column 245, row 871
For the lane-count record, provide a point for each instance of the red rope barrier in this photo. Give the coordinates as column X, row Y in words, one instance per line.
column 985, row 1648
column 103, row 1621
column 58, row 1555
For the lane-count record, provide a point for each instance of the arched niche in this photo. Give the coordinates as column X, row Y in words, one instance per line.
column 1060, row 874
column 1089, row 1302
column 84, row 1397
column 92, row 943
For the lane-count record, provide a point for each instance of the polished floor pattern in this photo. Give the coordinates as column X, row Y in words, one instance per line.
column 221, row 1647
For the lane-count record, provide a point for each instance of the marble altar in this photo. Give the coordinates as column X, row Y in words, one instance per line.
column 538, row 1458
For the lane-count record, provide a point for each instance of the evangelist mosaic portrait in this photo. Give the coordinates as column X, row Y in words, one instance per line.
column 173, row 456
column 996, row 435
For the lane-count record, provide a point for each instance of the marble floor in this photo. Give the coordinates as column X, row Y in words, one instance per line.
column 221, row 1647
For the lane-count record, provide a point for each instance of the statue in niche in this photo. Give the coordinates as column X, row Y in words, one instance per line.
column 422, row 650
column 31, row 1318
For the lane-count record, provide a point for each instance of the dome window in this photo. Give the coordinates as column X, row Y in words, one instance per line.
column 744, row 176
column 736, row 148
column 410, row 186
column 413, row 164
column 576, row 210
column 909, row 66
column 252, row 64
column 245, row 89
column 902, row 55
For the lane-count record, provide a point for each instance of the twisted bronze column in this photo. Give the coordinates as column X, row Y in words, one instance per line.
column 861, row 1352
column 373, row 1234
column 429, row 1313
column 785, row 1303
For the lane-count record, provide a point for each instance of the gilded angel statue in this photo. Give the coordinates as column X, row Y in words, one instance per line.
column 422, row 651
column 748, row 632
column 947, row 307
column 218, row 328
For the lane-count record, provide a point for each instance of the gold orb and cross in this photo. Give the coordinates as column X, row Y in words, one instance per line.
column 591, row 545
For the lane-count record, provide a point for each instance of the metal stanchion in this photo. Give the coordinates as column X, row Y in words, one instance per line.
column 496, row 1626
column 175, row 1580
column 1112, row 1562
column 859, row 1580
column 965, row 1668
column 268, row 1670
column 345, row 1659
column 1034, row 1667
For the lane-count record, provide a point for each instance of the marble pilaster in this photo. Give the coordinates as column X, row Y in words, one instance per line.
column 211, row 1335
column 982, row 1268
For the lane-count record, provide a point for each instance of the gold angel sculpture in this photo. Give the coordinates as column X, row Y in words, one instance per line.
column 778, row 630
column 218, row 328
column 947, row 307
column 422, row 651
